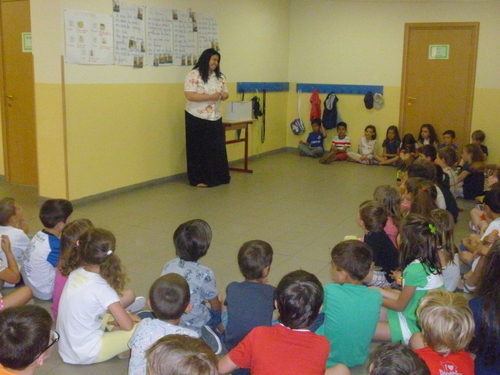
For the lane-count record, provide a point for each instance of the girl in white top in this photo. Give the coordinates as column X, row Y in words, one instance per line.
column 427, row 136
column 13, row 224
column 91, row 290
column 366, row 147
column 448, row 252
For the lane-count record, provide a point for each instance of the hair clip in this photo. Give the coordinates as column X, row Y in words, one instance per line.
column 432, row 228
column 424, row 189
column 109, row 252
column 77, row 242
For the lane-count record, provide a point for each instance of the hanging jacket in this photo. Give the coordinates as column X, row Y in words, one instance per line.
column 315, row 105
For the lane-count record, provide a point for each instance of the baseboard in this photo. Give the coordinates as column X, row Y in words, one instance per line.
column 155, row 182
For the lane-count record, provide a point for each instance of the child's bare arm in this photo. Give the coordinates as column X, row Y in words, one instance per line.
column 215, row 304
column 226, row 365
column 11, row 273
column 122, row 317
column 462, row 176
column 402, row 301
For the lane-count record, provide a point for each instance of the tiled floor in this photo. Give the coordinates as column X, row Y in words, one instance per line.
column 300, row 207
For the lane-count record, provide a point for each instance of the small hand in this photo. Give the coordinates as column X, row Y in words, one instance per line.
column 6, row 244
column 134, row 318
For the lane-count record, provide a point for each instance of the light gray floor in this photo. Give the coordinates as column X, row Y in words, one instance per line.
column 300, row 207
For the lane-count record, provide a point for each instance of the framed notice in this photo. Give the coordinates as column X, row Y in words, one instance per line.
column 439, row 52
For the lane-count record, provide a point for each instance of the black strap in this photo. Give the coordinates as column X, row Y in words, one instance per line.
column 263, row 132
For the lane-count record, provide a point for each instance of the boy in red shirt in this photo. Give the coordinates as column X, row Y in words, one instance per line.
column 447, row 328
column 287, row 348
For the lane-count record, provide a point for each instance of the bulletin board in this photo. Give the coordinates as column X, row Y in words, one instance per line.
column 89, row 37
column 138, row 35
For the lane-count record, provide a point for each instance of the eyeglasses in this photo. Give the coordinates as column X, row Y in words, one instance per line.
column 55, row 338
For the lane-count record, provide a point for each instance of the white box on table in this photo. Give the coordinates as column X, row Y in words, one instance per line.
column 238, row 111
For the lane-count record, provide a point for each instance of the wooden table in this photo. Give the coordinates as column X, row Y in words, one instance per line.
column 238, row 125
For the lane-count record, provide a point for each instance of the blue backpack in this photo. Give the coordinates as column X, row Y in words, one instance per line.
column 330, row 113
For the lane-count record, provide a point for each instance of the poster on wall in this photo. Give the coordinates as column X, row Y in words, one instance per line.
column 160, row 36
column 185, row 39
column 129, row 33
column 88, row 37
column 208, row 32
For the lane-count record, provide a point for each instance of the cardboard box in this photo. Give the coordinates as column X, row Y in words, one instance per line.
column 238, row 111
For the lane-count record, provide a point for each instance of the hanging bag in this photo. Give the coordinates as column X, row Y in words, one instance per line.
column 297, row 125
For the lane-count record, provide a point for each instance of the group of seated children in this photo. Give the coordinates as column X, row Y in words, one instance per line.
column 464, row 177
column 397, row 284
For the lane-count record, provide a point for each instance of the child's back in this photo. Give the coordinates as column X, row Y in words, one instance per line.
column 250, row 303
column 41, row 257
column 10, row 220
column 192, row 240
column 169, row 299
column 351, row 309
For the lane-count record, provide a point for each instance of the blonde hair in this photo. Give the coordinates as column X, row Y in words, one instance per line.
column 7, row 210
column 181, row 355
column 446, row 320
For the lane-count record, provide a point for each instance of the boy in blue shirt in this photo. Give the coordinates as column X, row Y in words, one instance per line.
column 313, row 147
column 351, row 309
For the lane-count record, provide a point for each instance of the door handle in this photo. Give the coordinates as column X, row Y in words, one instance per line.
column 10, row 96
column 411, row 98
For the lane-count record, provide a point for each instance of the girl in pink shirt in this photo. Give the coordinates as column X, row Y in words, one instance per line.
column 389, row 197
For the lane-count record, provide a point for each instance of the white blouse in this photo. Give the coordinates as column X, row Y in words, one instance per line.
column 208, row 110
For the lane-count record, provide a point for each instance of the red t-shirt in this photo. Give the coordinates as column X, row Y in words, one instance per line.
column 281, row 350
column 460, row 363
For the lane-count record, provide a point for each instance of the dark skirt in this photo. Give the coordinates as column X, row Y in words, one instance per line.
column 206, row 152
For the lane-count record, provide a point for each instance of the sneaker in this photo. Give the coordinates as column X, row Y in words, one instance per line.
column 137, row 305
column 473, row 227
column 212, row 339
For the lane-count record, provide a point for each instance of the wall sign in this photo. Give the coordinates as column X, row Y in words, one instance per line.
column 439, row 52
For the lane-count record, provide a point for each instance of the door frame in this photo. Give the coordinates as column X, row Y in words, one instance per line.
column 3, row 105
column 474, row 26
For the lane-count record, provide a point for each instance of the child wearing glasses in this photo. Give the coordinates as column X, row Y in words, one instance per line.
column 33, row 323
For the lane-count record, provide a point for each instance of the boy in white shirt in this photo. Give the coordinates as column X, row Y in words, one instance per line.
column 41, row 257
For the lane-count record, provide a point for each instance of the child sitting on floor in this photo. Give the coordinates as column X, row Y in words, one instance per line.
column 169, row 299
column 13, row 224
column 192, row 240
column 313, row 147
column 181, row 355
column 349, row 328
column 389, row 197
column 421, row 267
column 373, row 218
column 26, row 339
column 447, row 329
column 250, row 303
column 286, row 348
column 366, row 148
column 340, row 144
column 41, row 257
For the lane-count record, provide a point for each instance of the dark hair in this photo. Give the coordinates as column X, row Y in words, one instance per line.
column 450, row 132
column 394, row 128
column 69, row 237
column 477, row 154
column 429, row 151
column 492, row 200
column 7, row 210
column 55, row 211
column 433, row 138
column 253, row 257
column 389, row 197
column 445, row 224
column 489, row 327
column 181, row 355
column 424, row 195
column 396, row 359
column 169, row 296
column 408, row 139
column 316, row 121
column 354, row 257
column 422, row 168
column 24, row 335
column 374, row 216
column 372, row 127
column 299, row 296
column 192, row 240
column 478, row 135
column 97, row 247
column 203, row 64
column 449, row 156
column 342, row 123
column 419, row 242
